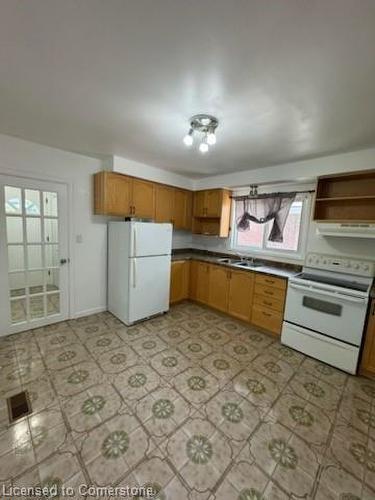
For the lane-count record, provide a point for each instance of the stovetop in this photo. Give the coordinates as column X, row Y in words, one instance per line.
column 347, row 284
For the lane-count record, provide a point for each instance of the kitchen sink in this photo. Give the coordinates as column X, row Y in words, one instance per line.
column 245, row 263
column 225, row 260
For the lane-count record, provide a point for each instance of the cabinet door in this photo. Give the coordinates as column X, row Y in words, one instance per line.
column 267, row 318
column 180, row 209
column 189, row 211
column 164, row 201
column 179, row 281
column 202, row 282
column 219, row 288
column 241, row 286
column 368, row 356
column 213, row 200
column 193, row 279
column 199, row 204
column 143, row 198
column 114, row 191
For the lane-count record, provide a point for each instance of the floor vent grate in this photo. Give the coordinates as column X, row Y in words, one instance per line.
column 19, row 406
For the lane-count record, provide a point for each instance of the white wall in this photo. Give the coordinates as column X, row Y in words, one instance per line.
column 130, row 167
column 307, row 170
column 88, row 259
column 182, row 239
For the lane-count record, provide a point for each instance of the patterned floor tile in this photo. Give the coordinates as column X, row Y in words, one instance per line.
column 234, row 415
column 170, row 363
column 117, row 360
column 111, row 450
column 200, row 454
column 162, row 411
column 257, row 388
column 241, row 418
column 136, row 382
column 196, row 385
column 195, row 349
column 285, row 457
column 92, row 407
column 222, row 366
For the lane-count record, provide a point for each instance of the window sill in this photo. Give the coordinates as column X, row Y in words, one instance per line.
column 272, row 256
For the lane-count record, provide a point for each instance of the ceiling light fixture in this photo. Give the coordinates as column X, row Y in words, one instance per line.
column 204, row 127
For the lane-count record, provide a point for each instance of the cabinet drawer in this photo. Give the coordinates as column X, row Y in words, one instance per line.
column 266, row 280
column 270, row 292
column 269, row 302
column 266, row 318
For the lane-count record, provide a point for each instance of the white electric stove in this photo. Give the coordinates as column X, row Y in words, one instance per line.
column 326, row 308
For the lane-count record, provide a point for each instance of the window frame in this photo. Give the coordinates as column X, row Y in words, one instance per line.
column 299, row 254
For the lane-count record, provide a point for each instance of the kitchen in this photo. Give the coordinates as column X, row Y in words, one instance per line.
column 187, row 249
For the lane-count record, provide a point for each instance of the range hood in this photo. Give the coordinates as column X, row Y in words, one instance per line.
column 346, row 229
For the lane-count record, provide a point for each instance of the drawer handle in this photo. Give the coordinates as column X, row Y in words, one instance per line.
column 269, row 281
column 266, row 303
column 266, row 314
column 268, row 292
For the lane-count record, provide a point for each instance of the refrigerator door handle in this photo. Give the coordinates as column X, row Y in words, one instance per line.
column 135, row 241
column 134, row 273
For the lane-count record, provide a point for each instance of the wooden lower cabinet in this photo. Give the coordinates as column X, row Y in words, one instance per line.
column 266, row 318
column 268, row 303
column 368, row 355
column 240, row 297
column 180, row 271
column 248, row 296
column 219, row 287
column 199, row 276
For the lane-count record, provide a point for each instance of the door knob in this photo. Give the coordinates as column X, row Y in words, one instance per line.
column 64, row 261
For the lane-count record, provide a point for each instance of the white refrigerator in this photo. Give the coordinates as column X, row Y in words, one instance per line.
column 139, row 267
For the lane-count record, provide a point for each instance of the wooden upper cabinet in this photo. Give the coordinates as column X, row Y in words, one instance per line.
column 164, row 203
column 182, row 207
column 219, row 287
column 368, row 355
column 113, row 194
column 211, row 214
column 214, row 202
column 240, row 300
column 199, row 209
column 143, row 198
column 348, row 197
column 208, row 203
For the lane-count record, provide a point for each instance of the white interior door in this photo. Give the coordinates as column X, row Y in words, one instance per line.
column 33, row 254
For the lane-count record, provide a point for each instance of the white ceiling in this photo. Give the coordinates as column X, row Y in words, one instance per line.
column 287, row 79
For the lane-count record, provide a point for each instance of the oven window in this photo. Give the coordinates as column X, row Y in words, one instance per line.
column 322, row 306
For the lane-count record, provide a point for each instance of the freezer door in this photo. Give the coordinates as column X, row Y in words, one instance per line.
column 147, row 238
column 148, row 286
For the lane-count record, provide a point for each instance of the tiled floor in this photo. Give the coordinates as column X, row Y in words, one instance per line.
column 193, row 403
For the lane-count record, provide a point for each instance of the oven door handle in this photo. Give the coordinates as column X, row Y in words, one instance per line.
column 320, row 291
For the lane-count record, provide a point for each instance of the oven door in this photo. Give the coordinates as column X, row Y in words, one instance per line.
column 332, row 313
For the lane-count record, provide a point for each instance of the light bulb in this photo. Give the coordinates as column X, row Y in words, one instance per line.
column 211, row 138
column 188, row 139
column 203, row 147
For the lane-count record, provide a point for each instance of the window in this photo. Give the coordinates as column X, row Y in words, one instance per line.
column 295, row 233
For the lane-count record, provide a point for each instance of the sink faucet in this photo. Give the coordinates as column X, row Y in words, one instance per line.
column 241, row 257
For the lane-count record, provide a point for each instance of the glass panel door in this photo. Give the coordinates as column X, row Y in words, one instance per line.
column 33, row 220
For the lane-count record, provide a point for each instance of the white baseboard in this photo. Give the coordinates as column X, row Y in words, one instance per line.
column 88, row 312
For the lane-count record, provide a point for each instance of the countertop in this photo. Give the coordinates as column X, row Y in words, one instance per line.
column 214, row 259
